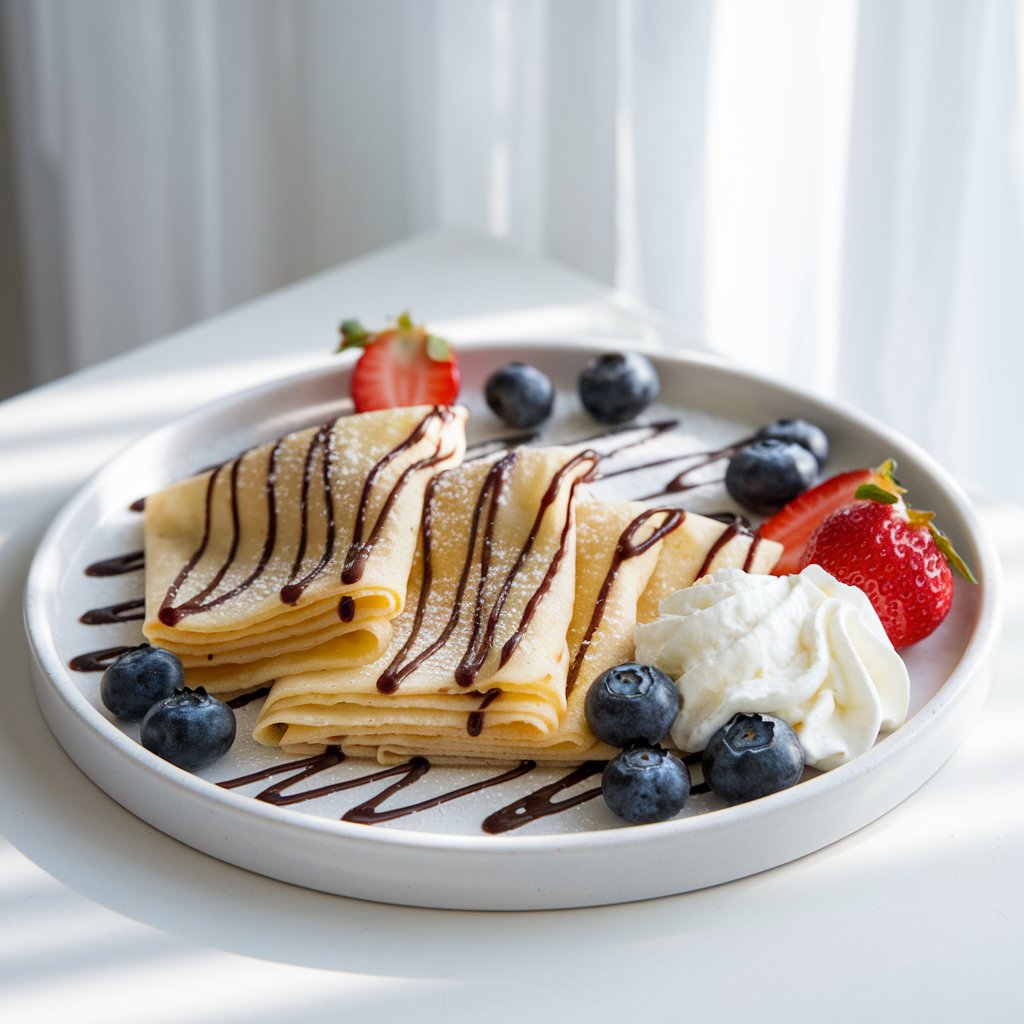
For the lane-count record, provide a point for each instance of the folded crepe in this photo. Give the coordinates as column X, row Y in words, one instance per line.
column 494, row 586
column 569, row 613
column 629, row 557
column 296, row 554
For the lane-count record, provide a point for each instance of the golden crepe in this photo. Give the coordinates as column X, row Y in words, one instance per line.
column 617, row 547
column 610, row 560
column 629, row 557
column 495, row 586
column 296, row 554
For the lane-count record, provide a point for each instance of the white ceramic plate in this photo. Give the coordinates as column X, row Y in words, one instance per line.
column 440, row 856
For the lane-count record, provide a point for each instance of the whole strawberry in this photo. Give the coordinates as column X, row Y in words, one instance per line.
column 896, row 556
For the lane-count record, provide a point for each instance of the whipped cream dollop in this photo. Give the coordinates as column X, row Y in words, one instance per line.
column 805, row 648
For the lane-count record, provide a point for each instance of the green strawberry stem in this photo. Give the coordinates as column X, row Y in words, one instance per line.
column 355, row 335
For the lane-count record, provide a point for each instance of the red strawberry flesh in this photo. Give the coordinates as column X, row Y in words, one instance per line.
column 395, row 369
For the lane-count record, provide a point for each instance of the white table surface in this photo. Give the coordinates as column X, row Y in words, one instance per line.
column 919, row 916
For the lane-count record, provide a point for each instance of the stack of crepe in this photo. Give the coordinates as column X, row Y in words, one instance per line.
column 296, row 554
column 522, row 593
column 402, row 602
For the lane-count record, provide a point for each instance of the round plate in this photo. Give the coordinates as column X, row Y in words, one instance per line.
column 440, row 856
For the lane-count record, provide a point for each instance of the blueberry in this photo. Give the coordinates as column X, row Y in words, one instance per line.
column 631, row 703
column 765, row 475
column 752, row 756
column 645, row 784
column 138, row 679
column 800, row 432
column 520, row 395
column 615, row 388
column 190, row 729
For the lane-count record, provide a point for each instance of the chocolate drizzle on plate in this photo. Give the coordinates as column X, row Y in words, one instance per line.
column 545, row 800
column 244, row 699
column 124, row 611
column 684, row 481
column 368, row 813
column 541, row 803
column 98, row 661
column 494, row 445
column 119, row 565
column 538, row 804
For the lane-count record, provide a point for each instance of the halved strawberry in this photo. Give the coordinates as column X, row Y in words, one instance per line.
column 402, row 365
column 793, row 525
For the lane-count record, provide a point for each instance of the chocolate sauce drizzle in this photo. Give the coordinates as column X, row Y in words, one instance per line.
column 625, row 548
column 538, row 595
column 645, row 432
column 368, row 812
column 98, row 661
column 305, row 768
column 402, row 664
column 244, row 699
column 736, row 527
column 482, row 632
column 292, row 591
column 202, row 601
column 168, row 614
column 119, row 565
column 125, row 611
column 536, row 805
column 364, row 535
column 475, row 721
column 485, row 449
column 362, row 546
column 682, row 481
column 541, row 802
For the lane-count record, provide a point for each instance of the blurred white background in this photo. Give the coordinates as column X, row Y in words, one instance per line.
column 829, row 192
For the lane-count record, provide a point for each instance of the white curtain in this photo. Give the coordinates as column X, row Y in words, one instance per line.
column 830, row 192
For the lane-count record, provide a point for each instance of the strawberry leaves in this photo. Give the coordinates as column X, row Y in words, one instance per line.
column 956, row 563
column 872, row 492
column 353, row 335
column 438, row 349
